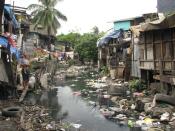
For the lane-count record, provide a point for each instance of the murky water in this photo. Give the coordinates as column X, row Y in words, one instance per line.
column 80, row 112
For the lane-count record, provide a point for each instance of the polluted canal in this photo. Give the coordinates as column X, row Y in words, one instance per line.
column 77, row 112
column 80, row 112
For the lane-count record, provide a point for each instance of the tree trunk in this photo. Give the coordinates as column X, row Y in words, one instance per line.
column 1, row 13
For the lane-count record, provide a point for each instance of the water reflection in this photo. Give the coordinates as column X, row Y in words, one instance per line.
column 49, row 100
column 82, row 113
column 63, row 104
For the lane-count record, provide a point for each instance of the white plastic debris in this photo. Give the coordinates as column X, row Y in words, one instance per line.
column 49, row 126
column 77, row 126
column 133, row 106
column 165, row 116
column 91, row 102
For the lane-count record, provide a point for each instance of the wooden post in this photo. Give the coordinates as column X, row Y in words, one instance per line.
column 145, row 46
column 108, row 56
column 161, row 73
column 23, row 94
column 1, row 13
column 154, row 51
column 161, row 62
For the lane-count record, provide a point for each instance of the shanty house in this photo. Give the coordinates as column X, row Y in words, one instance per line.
column 114, row 48
column 112, row 52
column 157, row 50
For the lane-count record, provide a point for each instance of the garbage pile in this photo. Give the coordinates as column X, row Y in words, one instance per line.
column 121, row 104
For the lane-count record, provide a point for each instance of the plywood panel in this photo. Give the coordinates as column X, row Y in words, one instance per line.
column 142, row 51
column 149, row 37
column 167, row 50
column 149, row 51
column 167, row 66
column 157, row 36
column 149, row 65
column 157, row 51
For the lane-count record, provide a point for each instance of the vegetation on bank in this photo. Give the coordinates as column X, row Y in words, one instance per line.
column 137, row 85
column 83, row 44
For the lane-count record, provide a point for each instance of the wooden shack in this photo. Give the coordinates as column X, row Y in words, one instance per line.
column 112, row 53
column 157, row 50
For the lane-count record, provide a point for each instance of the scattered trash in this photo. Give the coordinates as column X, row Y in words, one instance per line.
column 49, row 126
column 137, row 94
column 131, row 123
column 120, row 117
column 165, row 116
column 78, row 93
column 77, row 126
column 92, row 102
column 133, row 107
column 106, row 112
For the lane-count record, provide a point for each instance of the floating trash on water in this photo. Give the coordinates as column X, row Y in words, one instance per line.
column 73, row 85
column 77, row 126
column 77, row 93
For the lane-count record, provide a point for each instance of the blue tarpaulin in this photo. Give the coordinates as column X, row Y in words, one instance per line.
column 112, row 35
column 9, row 12
column 13, row 50
column 3, row 41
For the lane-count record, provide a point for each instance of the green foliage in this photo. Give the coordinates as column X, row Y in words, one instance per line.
column 84, row 45
column 95, row 30
column 71, row 62
column 104, row 70
column 136, row 85
column 87, row 48
column 46, row 15
column 73, row 38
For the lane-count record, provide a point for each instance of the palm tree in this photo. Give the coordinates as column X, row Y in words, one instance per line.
column 46, row 15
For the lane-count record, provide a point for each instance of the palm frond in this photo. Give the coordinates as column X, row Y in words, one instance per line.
column 54, row 2
column 37, row 20
column 34, row 7
column 46, row 15
column 44, row 2
column 55, row 25
column 59, row 15
column 35, row 12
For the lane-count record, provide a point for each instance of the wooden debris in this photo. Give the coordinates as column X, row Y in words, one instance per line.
column 23, row 94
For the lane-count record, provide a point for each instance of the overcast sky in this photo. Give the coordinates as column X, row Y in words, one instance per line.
column 83, row 15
